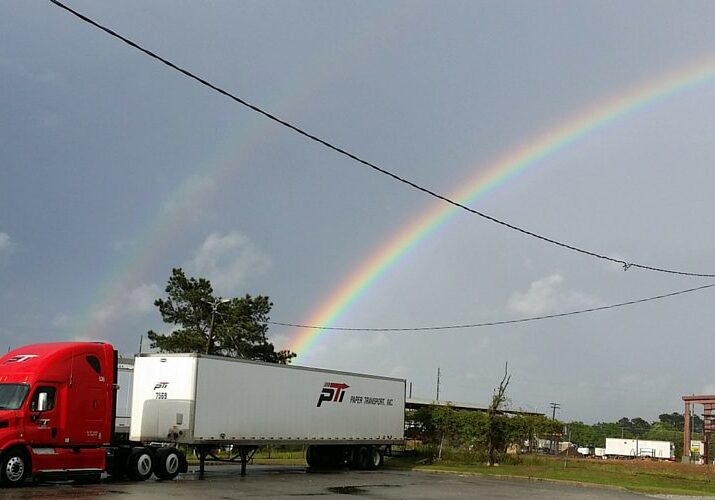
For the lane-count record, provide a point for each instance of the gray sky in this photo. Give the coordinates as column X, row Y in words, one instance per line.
column 114, row 169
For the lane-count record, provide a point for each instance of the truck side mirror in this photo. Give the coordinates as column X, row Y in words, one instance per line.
column 42, row 402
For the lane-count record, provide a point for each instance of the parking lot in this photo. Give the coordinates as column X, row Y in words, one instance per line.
column 224, row 482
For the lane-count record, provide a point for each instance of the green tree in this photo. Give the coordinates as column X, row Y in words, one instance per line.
column 446, row 422
column 640, row 427
column 207, row 324
column 674, row 419
column 583, row 434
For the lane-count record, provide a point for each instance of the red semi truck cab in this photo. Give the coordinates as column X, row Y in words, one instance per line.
column 57, row 404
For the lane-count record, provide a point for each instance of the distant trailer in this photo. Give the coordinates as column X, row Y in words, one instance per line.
column 639, row 448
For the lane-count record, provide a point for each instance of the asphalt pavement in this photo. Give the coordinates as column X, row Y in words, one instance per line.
column 224, row 482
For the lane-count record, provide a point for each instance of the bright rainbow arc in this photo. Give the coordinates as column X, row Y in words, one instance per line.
column 489, row 178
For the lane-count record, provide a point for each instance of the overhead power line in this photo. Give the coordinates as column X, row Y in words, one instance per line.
column 497, row 323
column 626, row 265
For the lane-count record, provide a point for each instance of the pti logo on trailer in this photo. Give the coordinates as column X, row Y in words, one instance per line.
column 332, row 391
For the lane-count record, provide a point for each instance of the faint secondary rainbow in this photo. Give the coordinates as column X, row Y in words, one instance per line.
column 232, row 151
column 488, row 178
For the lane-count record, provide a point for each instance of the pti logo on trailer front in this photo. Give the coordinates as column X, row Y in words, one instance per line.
column 332, row 391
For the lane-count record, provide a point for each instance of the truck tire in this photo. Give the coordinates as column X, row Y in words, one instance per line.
column 168, row 463
column 140, row 464
column 14, row 467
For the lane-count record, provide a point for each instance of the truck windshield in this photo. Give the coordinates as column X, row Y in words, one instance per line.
column 12, row 396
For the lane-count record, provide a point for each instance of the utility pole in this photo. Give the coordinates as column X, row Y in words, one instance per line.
column 214, row 311
column 438, row 374
column 554, row 407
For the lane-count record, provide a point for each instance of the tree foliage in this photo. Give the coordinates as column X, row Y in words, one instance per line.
column 487, row 433
column 207, row 324
column 469, row 429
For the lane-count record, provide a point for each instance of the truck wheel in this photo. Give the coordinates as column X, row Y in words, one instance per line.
column 140, row 464
column 168, row 462
column 14, row 468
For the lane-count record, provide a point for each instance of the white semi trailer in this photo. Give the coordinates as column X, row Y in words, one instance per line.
column 639, row 448
column 210, row 402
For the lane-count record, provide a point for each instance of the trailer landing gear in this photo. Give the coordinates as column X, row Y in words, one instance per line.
column 242, row 453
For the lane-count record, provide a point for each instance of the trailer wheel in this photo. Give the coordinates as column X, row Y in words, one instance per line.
column 168, row 462
column 361, row 458
column 375, row 458
column 318, row 457
column 311, row 456
column 140, row 464
column 14, row 468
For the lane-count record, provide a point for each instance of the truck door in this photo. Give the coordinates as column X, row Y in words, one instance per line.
column 89, row 402
column 43, row 420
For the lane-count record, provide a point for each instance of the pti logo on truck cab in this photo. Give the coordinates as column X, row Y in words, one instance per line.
column 332, row 391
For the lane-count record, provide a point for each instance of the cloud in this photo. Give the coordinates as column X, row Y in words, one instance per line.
column 6, row 244
column 227, row 260
column 61, row 321
column 547, row 295
column 129, row 303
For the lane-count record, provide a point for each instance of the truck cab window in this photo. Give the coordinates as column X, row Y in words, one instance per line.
column 12, row 396
column 50, row 395
column 94, row 363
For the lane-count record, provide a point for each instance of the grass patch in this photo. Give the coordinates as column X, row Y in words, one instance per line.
column 635, row 475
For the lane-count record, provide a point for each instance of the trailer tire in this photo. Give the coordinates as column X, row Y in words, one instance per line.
column 168, row 463
column 375, row 458
column 311, row 457
column 318, row 457
column 361, row 458
column 14, row 467
column 140, row 464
